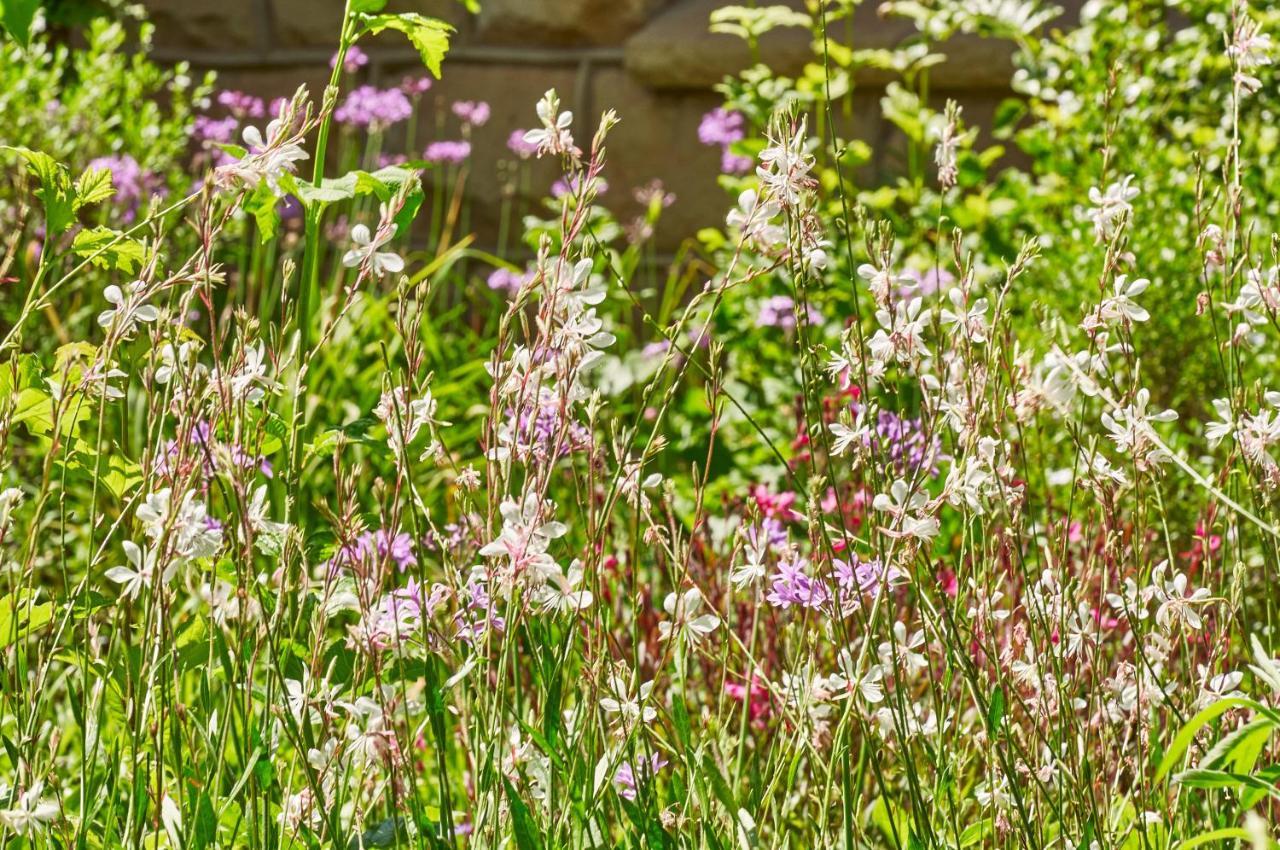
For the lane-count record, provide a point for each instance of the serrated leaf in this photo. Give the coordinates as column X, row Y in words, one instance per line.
column 429, row 35
column 56, row 192
column 94, row 187
column 109, row 249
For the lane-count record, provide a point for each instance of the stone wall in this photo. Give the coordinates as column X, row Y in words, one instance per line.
column 654, row 61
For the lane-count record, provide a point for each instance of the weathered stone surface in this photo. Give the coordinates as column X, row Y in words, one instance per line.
column 206, row 24
column 677, row 50
column 563, row 22
column 315, row 23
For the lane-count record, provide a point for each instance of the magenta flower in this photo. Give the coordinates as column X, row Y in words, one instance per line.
column 450, row 152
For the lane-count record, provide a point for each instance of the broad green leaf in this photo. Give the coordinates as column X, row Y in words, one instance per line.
column 93, row 187
column 522, row 822
column 1193, row 726
column 109, row 249
column 429, row 35
column 55, row 192
column 18, row 16
column 20, row 615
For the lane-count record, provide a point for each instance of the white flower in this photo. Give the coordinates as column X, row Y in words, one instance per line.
column 127, row 308
column 882, row 282
column 969, row 321
column 1177, row 604
column 366, row 254
column 1110, row 207
column 1120, row 304
column 754, row 219
column 631, row 710
column 268, row 159
column 682, row 608
column 906, row 507
column 30, row 814
column 563, row 593
column 137, row 573
column 784, row 167
column 554, row 136
column 523, row 542
column 1216, row 432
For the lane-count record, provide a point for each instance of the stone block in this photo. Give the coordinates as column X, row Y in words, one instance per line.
column 563, row 22
column 223, row 25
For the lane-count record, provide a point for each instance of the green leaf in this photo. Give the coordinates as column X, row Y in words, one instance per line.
column 429, row 35
column 1193, row 726
column 20, row 615
column 995, row 711
column 262, row 205
column 17, row 16
column 1231, row 833
column 109, row 249
column 205, row 822
column 55, row 192
column 522, row 820
column 93, row 187
column 368, row 6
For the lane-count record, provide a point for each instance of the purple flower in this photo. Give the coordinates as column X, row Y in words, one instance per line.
column 447, row 151
column 131, row 182
column 415, row 85
column 242, row 105
column 779, row 312
column 354, row 61
column 569, row 186
column 219, row 130
column 375, row 546
column 793, row 586
column 474, row 113
column 518, row 146
column 373, row 108
column 628, row 778
column 735, row 164
column 722, row 127
column 508, row 281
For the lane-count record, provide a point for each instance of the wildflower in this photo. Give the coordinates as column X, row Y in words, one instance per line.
column 628, row 778
column 139, row 571
column 404, row 419
column 366, row 255
column 474, row 113
column 905, row 506
column 683, row 611
column 1130, row 429
column 353, row 61
column 1250, row 48
column 631, row 710
column 968, row 321
column 1177, row 605
column 903, row 651
column 1111, row 207
column 754, row 220
column 30, row 814
column 554, row 136
column 1216, row 432
column 517, row 145
column 564, row 593
column 127, row 308
column 882, row 282
column 721, row 126
column 373, row 109
column 269, row 157
column 450, row 152
column 785, row 166
column 525, row 538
